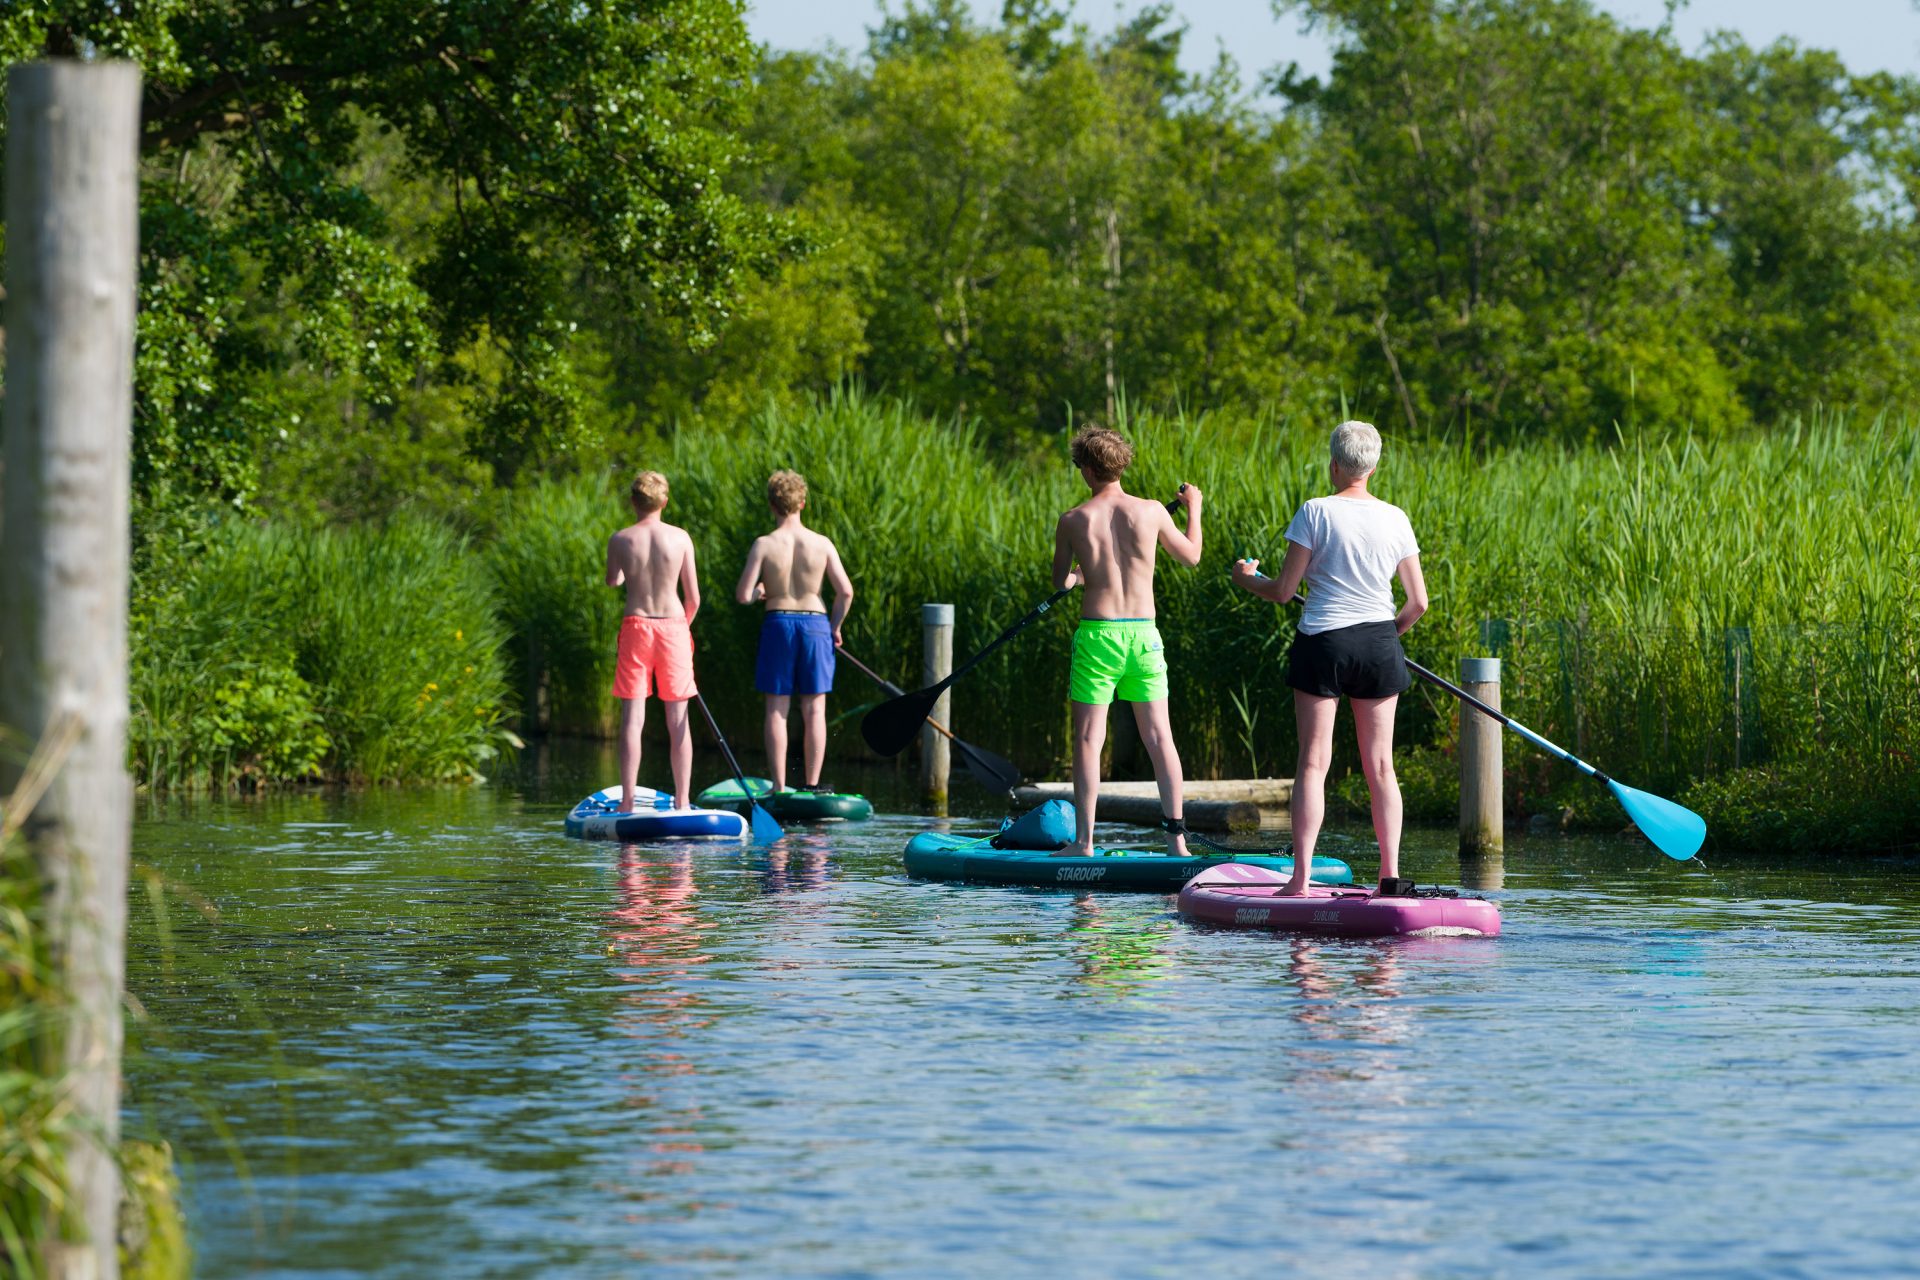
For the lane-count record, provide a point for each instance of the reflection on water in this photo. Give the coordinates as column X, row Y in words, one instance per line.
column 656, row 934
column 446, row 1041
column 1118, row 950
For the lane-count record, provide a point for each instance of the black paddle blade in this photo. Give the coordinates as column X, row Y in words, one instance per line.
column 889, row 727
column 993, row 772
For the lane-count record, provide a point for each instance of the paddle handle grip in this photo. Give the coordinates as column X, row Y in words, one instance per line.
column 1173, row 508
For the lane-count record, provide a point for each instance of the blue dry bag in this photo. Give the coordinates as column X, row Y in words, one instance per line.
column 1048, row 827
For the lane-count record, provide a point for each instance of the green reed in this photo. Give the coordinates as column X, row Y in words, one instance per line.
column 364, row 654
column 1669, row 606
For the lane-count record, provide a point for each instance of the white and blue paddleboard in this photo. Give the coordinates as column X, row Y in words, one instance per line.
column 598, row 817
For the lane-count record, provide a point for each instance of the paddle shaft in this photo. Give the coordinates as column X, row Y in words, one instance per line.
column 738, row 776
column 988, row 768
column 1508, row 721
column 1499, row 717
column 1031, row 616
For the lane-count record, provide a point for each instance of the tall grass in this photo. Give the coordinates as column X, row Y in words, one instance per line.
column 366, row 654
column 1670, row 607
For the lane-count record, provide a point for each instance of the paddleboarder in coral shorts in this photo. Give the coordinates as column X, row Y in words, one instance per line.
column 1108, row 544
column 653, row 561
column 788, row 570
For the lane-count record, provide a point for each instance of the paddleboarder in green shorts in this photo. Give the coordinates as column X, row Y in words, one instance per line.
column 1108, row 543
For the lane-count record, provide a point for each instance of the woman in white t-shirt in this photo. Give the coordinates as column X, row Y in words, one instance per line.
column 1348, row 548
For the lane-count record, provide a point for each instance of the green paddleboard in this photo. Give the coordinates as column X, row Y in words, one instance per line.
column 789, row 806
column 937, row 855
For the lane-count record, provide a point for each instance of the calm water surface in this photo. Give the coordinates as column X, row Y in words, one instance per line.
column 423, row 1034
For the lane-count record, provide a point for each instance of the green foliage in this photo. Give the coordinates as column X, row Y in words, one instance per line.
column 153, row 1230
column 548, row 561
column 532, row 147
column 281, row 654
column 1835, row 804
column 1650, row 614
column 32, row 1172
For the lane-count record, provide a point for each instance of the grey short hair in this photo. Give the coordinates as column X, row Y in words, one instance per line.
column 1356, row 448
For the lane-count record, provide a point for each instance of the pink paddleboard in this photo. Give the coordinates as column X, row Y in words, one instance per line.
column 1239, row 895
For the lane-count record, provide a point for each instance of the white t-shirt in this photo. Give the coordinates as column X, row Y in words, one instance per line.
column 1357, row 544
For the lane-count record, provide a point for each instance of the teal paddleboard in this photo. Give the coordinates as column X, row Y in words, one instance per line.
column 790, row 806
column 936, row 855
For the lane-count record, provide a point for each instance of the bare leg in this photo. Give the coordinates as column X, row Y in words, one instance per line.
column 1089, row 735
column 680, row 753
column 813, row 735
column 1373, row 724
column 633, row 717
column 777, row 704
column 1313, row 717
column 1156, row 734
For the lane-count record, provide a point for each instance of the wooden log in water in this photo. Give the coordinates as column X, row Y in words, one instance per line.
column 1219, row 805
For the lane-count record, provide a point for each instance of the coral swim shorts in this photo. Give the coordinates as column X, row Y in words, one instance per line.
column 655, row 653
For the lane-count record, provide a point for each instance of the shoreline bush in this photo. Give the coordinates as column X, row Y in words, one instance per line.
column 282, row 654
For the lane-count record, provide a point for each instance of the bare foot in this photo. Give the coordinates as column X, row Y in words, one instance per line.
column 1074, row 851
column 681, row 802
column 1177, row 847
column 625, row 808
column 1294, row 888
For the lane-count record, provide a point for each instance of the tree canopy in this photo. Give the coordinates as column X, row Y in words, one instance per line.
column 380, row 215
column 400, row 253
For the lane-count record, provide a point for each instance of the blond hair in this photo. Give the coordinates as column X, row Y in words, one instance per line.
column 1101, row 451
column 648, row 493
column 786, row 492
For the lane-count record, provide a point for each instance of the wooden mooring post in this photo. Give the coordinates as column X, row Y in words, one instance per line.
column 936, row 664
column 72, row 210
column 1482, row 808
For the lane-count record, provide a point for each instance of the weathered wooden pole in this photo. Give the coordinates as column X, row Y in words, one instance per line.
column 1482, row 811
column 72, row 213
column 936, row 633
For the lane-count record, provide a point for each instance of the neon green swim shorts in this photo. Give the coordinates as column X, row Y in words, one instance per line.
column 1118, row 658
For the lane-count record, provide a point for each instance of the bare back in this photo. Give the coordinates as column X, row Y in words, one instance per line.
column 1113, row 537
column 653, row 560
column 793, row 566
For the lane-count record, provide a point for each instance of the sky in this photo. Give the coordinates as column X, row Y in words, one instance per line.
column 1870, row 35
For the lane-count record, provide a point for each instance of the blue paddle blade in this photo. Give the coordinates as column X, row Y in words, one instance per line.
column 765, row 829
column 1676, row 831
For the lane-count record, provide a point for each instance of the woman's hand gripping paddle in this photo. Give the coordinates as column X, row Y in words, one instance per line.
column 889, row 727
column 765, row 829
column 993, row 772
column 1674, row 829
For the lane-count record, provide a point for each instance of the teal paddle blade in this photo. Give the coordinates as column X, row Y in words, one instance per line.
column 1676, row 831
column 765, row 829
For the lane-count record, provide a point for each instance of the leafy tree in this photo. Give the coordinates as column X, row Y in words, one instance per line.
column 1809, row 199
column 1522, row 170
column 540, row 142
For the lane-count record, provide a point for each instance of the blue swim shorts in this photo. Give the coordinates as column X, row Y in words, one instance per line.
column 796, row 654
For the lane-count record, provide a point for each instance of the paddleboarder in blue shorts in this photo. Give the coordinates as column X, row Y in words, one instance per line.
column 787, row 570
column 1109, row 542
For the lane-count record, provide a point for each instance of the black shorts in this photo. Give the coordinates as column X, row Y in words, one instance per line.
column 1361, row 661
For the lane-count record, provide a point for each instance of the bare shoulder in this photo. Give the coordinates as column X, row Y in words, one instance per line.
column 1145, row 506
column 822, row 541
